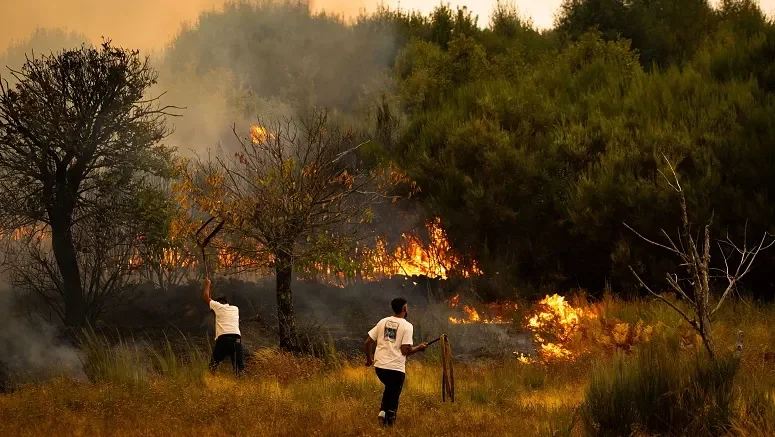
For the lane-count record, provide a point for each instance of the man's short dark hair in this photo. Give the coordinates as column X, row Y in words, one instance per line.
column 222, row 300
column 398, row 304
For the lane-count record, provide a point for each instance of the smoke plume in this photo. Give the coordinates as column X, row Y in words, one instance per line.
column 29, row 346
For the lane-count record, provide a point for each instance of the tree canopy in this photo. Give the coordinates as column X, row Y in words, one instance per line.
column 78, row 136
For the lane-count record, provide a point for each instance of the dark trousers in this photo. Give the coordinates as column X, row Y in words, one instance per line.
column 394, row 383
column 228, row 345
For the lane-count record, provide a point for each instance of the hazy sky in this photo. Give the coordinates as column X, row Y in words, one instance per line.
column 151, row 23
column 146, row 24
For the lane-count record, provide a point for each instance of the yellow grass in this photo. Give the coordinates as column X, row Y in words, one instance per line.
column 283, row 395
column 344, row 402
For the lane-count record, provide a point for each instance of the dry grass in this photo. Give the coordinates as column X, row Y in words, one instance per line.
column 284, row 395
column 332, row 403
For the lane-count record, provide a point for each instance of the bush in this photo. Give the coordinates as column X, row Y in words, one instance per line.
column 656, row 393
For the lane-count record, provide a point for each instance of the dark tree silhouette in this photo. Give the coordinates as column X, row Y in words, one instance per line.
column 77, row 136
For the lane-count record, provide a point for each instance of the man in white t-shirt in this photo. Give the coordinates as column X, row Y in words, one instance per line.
column 228, row 341
column 393, row 337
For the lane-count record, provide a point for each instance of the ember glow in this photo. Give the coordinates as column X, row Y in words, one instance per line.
column 411, row 256
column 39, row 233
column 496, row 313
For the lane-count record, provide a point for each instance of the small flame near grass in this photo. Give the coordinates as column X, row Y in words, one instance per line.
column 497, row 313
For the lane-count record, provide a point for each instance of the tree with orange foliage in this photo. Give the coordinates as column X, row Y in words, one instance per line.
column 294, row 195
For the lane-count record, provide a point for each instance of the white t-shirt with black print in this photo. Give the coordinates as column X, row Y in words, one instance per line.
column 390, row 333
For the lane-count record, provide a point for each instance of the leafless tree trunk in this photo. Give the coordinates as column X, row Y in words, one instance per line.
column 695, row 258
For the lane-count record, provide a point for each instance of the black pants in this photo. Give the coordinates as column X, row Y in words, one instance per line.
column 394, row 383
column 228, row 345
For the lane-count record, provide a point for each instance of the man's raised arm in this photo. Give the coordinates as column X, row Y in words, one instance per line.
column 206, row 291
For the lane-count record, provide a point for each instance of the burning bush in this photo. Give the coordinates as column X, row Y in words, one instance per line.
column 555, row 326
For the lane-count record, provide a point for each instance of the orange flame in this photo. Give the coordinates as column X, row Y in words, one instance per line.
column 257, row 134
column 410, row 258
column 560, row 319
column 500, row 313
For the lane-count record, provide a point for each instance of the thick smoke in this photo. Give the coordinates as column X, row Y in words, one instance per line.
column 264, row 60
column 226, row 69
column 30, row 348
column 40, row 42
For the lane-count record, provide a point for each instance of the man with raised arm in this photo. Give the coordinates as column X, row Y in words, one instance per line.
column 228, row 341
column 393, row 337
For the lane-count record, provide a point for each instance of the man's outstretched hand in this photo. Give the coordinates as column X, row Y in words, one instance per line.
column 369, row 362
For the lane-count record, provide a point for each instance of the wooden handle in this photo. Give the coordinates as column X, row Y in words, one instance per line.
column 433, row 341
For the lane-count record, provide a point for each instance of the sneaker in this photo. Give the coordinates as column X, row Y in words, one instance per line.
column 390, row 418
column 381, row 418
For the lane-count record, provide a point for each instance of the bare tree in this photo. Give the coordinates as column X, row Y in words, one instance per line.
column 696, row 289
column 74, row 130
column 294, row 195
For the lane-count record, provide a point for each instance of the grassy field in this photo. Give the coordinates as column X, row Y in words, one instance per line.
column 618, row 384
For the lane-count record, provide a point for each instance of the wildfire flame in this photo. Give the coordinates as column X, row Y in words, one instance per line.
column 411, row 257
column 257, row 134
column 560, row 319
column 500, row 312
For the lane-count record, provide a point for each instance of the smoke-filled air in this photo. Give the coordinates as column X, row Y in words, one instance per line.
column 363, row 218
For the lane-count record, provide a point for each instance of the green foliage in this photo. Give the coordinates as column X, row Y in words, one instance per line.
column 535, row 155
column 84, row 120
column 532, row 146
column 664, row 32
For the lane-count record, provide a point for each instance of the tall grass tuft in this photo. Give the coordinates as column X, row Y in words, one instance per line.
column 103, row 361
column 757, row 415
column 188, row 366
column 657, row 393
column 314, row 341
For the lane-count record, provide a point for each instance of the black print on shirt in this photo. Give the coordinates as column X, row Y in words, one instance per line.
column 391, row 329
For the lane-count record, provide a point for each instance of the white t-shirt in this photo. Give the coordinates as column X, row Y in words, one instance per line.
column 390, row 333
column 226, row 318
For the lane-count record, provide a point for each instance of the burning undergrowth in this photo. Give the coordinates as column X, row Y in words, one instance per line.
column 331, row 306
column 551, row 330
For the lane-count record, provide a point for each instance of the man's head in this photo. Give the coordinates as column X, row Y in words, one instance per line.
column 222, row 300
column 400, row 308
